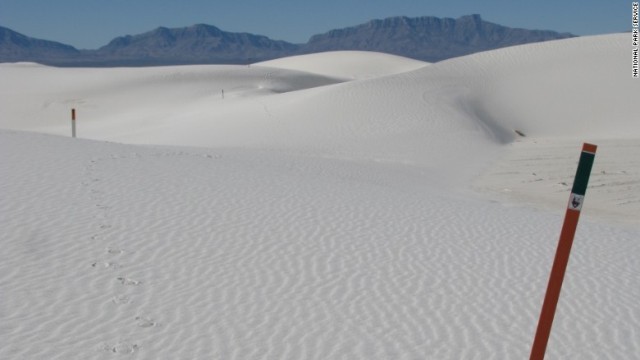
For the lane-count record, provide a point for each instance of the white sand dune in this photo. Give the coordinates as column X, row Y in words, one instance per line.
column 319, row 210
column 350, row 65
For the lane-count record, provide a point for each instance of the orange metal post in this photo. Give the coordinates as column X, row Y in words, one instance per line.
column 73, row 122
column 562, row 254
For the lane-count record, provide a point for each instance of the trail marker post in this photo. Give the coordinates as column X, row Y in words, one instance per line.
column 562, row 253
column 73, row 122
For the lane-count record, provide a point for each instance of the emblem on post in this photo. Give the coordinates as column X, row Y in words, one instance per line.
column 575, row 202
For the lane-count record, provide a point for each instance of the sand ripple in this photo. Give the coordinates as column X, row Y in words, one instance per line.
column 273, row 256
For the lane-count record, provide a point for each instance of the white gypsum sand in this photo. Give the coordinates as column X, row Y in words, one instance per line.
column 318, row 212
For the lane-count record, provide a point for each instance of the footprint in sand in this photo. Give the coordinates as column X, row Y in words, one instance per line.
column 128, row 281
column 106, row 264
column 114, row 251
column 145, row 322
column 121, row 348
column 121, row 299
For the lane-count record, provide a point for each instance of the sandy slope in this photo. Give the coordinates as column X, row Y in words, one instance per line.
column 233, row 254
column 317, row 211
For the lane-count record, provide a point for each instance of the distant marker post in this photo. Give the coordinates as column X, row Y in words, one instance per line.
column 73, row 122
column 562, row 253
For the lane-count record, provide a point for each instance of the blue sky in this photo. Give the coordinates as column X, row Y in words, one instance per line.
column 89, row 24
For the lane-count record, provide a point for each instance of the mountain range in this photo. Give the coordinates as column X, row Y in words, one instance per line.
column 424, row 38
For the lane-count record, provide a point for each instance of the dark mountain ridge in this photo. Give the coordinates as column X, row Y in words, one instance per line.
column 424, row 38
column 428, row 38
column 195, row 44
column 17, row 47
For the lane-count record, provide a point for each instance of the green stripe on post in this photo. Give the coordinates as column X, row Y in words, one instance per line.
column 584, row 169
